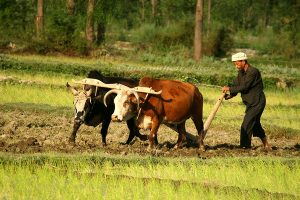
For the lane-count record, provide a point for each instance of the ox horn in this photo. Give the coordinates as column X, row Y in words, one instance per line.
column 73, row 90
column 136, row 96
column 108, row 93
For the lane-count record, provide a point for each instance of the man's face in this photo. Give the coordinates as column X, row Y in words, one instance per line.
column 239, row 64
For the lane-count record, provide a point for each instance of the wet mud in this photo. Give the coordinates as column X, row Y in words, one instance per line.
column 33, row 132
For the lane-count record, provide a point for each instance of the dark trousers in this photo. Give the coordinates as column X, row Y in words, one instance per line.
column 251, row 124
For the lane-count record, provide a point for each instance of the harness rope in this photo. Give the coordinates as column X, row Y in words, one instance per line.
column 140, row 109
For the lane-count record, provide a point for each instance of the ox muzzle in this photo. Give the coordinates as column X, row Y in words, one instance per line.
column 115, row 118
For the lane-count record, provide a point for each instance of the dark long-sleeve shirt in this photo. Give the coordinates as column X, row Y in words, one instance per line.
column 250, row 85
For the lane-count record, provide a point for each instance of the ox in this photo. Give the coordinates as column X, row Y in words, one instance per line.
column 90, row 110
column 177, row 102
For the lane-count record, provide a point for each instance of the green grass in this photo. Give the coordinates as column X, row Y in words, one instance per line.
column 113, row 177
column 35, row 94
column 208, row 71
column 39, row 78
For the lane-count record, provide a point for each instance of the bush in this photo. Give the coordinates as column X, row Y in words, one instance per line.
column 80, row 46
column 218, row 41
column 164, row 37
column 282, row 43
column 39, row 46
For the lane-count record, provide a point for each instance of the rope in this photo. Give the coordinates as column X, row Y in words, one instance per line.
column 213, row 86
column 140, row 108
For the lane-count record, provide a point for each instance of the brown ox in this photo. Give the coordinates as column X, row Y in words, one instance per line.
column 178, row 102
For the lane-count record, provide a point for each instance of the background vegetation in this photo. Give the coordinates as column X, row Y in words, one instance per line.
column 269, row 27
column 206, row 72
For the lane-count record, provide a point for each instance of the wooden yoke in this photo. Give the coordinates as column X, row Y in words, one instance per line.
column 147, row 90
column 213, row 113
column 98, row 83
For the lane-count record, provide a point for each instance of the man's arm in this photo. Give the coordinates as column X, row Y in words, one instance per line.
column 245, row 85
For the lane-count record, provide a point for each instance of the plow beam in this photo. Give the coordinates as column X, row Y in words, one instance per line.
column 213, row 113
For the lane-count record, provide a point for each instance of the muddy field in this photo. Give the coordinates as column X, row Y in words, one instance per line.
column 35, row 131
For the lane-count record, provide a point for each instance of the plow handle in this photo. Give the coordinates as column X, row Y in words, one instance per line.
column 213, row 113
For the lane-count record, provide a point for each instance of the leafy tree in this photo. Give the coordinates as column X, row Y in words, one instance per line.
column 270, row 26
column 16, row 20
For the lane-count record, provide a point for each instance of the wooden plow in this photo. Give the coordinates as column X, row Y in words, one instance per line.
column 213, row 113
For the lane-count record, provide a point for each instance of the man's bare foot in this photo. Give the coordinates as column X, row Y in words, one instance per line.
column 266, row 144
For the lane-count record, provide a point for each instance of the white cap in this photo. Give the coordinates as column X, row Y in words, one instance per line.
column 239, row 56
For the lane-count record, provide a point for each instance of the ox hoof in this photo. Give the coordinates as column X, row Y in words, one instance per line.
column 143, row 137
column 71, row 141
column 177, row 146
column 124, row 143
column 104, row 144
column 202, row 149
column 150, row 149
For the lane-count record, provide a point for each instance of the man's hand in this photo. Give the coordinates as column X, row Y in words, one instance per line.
column 226, row 89
column 227, row 96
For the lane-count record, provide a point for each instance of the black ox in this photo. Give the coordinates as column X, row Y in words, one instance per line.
column 91, row 111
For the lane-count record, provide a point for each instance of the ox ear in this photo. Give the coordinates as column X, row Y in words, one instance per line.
column 73, row 90
column 136, row 96
column 134, row 100
column 99, row 98
column 89, row 92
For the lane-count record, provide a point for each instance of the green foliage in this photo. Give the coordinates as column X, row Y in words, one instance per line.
column 174, row 11
column 172, row 25
column 39, row 46
column 47, row 68
column 218, row 41
column 16, row 18
column 269, row 42
column 164, row 37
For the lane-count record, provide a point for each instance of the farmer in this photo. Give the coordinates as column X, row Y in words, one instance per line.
column 249, row 84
